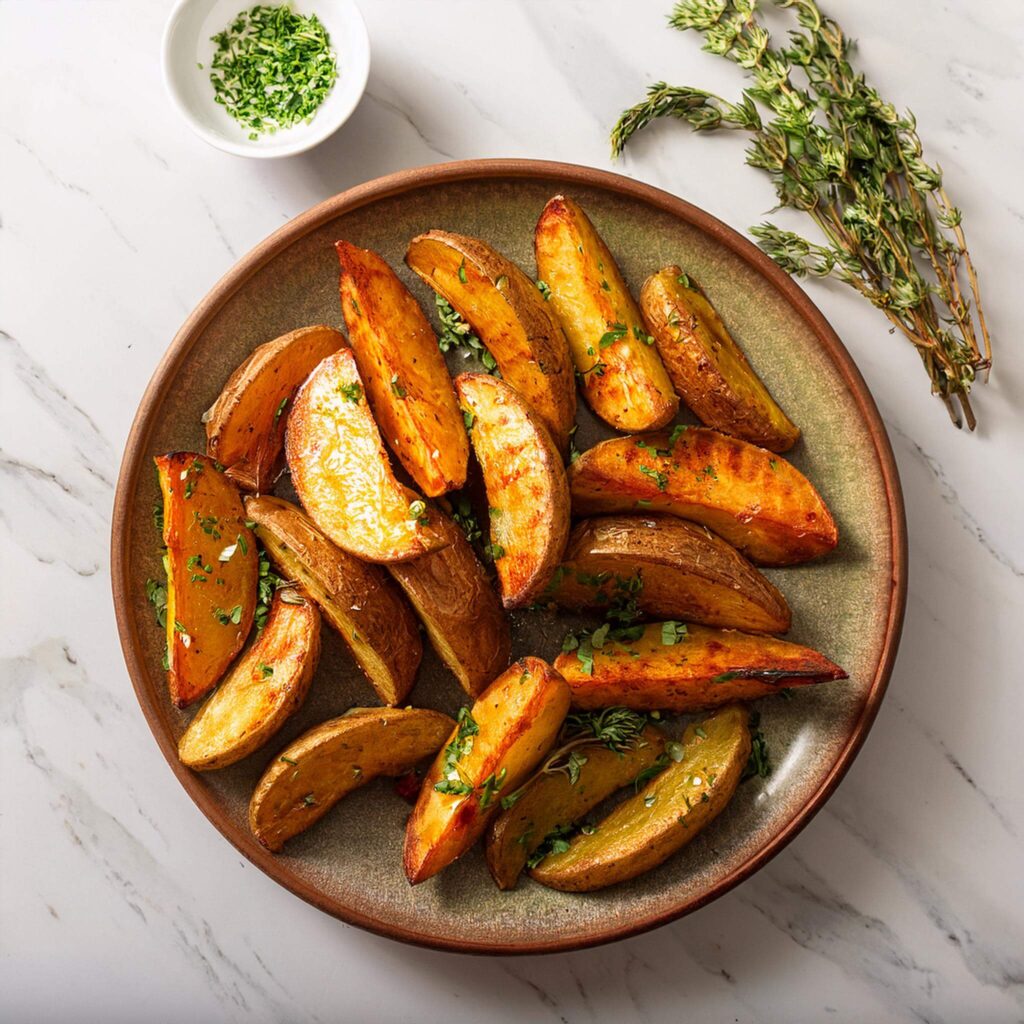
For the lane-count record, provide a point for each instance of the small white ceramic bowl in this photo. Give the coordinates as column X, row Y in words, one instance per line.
column 187, row 43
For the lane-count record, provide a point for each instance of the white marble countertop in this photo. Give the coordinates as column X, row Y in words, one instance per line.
column 902, row 901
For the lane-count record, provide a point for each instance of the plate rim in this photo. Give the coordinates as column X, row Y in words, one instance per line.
column 136, row 450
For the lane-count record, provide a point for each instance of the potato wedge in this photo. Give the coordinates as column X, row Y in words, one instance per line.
column 495, row 746
column 709, row 370
column 676, row 668
column 406, row 378
column 342, row 474
column 525, row 483
column 327, row 763
column 645, row 830
column 622, row 375
column 212, row 573
column 262, row 690
column 511, row 318
column 552, row 801
column 670, row 569
column 245, row 426
column 357, row 599
column 757, row 502
column 458, row 608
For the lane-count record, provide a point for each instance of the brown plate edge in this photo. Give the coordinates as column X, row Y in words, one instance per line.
column 462, row 170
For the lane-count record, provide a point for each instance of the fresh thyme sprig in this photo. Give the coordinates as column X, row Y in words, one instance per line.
column 836, row 150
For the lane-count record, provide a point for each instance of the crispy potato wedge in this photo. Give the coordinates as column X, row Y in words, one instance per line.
column 357, row 599
column 757, row 502
column 212, row 572
column 552, row 801
column 511, row 318
column 680, row 669
column 406, row 378
column 646, row 829
column 496, row 746
column 671, row 569
column 327, row 763
column 525, row 483
column 262, row 690
column 245, row 426
column 624, row 381
column 458, row 608
column 342, row 474
column 709, row 370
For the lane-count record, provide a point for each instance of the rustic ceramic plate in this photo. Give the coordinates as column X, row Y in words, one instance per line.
column 849, row 605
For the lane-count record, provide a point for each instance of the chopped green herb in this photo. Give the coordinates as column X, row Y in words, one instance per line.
column 418, row 511
column 396, row 387
column 462, row 270
column 725, row 677
column 494, row 551
column 544, row 290
column 156, row 593
column 683, row 280
column 266, row 670
column 641, row 335
column 677, row 431
column 614, row 333
column 288, row 760
column 281, row 408
column 468, row 418
column 309, row 800
column 661, row 479
column 574, row 452
column 673, row 632
column 353, row 392
column 645, row 775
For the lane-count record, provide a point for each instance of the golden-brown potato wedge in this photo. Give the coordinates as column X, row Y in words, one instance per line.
column 245, row 426
column 709, row 370
column 623, row 378
column 342, row 474
column 552, row 800
column 264, row 687
column 511, row 318
column 495, row 746
column 645, row 830
column 212, row 572
column 757, row 502
column 357, row 599
column 670, row 569
column 404, row 372
column 327, row 763
column 525, row 483
column 676, row 668
column 458, row 608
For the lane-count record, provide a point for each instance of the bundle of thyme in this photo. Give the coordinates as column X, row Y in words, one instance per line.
column 836, row 150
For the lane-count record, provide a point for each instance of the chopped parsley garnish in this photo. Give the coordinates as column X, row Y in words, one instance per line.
column 464, row 516
column 641, row 335
column 656, row 767
column 614, row 333
column 281, row 408
column 677, row 431
column 556, row 841
column 759, row 763
column 266, row 670
column 353, row 392
column 462, row 270
column 494, row 551
column 673, row 633
column 396, row 386
column 725, row 677
column 456, row 333
column 418, row 511
column 683, row 280
column 544, row 290
column 574, row 452
column 661, row 479
column 468, row 418
column 156, row 593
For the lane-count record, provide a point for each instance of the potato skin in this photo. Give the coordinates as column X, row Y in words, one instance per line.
column 342, row 474
column 203, row 518
column 518, row 717
column 759, row 503
column 683, row 572
column 245, row 426
column 645, row 830
column 552, row 800
column 459, row 609
column 511, row 318
column 623, row 381
column 251, row 704
column 356, row 598
column 525, row 482
column 708, row 369
column 705, row 669
column 338, row 756
column 404, row 371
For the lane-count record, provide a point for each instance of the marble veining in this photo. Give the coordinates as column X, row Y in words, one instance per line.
column 902, row 901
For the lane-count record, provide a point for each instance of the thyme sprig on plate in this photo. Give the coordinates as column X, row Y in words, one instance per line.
column 838, row 151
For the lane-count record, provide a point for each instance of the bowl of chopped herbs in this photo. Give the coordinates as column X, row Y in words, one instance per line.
column 267, row 80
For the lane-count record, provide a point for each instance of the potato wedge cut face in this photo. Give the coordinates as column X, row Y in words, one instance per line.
column 459, row 609
column 708, row 369
column 552, row 801
column 668, row 569
column 327, row 763
column 356, row 598
column 212, row 572
column 245, row 426
column 264, row 687
column 645, row 830
column 755, row 500
column 342, row 474
column 624, row 381
column 678, row 668
column 508, row 730
column 525, row 482
column 404, row 372
column 511, row 318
